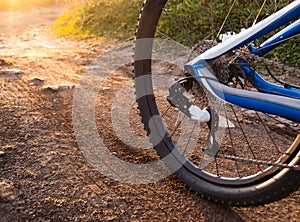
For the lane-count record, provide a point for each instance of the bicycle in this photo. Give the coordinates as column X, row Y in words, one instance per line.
column 257, row 160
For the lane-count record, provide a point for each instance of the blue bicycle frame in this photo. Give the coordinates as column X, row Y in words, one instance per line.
column 271, row 98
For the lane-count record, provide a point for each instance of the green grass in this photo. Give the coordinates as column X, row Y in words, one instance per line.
column 117, row 19
column 114, row 19
column 207, row 17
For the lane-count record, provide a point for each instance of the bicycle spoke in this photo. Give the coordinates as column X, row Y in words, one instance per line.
column 252, row 146
column 177, row 125
column 190, row 136
column 292, row 130
column 217, row 167
column 244, row 134
column 232, row 144
column 166, row 110
column 269, row 134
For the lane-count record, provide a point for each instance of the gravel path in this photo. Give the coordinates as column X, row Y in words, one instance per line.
column 43, row 174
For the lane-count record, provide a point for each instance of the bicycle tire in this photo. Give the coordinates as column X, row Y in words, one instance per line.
column 265, row 189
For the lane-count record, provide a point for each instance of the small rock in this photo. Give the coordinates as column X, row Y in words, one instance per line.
column 250, row 112
column 3, row 62
column 105, row 88
column 7, row 196
column 65, row 87
column 50, row 89
column 36, row 82
column 10, row 72
column 246, row 121
column 2, row 153
column 93, row 67
column 281, row 126
column 6, row 191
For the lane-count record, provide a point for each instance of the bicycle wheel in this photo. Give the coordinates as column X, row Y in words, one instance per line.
column 257, row 156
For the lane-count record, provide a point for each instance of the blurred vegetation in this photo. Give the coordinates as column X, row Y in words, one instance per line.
column 118, row 19
column 99, row 18
column 208, row 16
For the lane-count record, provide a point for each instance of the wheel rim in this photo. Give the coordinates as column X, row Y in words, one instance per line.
column 271, row 153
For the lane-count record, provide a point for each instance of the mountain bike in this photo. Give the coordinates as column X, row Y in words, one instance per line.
column 239, row 97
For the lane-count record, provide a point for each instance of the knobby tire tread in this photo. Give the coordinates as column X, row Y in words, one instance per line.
column 238, row 196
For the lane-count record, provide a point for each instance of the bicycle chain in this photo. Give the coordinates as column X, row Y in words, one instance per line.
column 268, row 62
column 203, row 45
column 223, row 73
column 259, row 162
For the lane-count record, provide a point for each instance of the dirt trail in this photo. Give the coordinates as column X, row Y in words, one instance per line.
column 43, row 174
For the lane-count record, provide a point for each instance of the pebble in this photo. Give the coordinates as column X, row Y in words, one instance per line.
column 11, row 72
column 3, row 62
column 65, row 87
column 36, row 82
column 53, row 89
column 281, row 126
column 6, row 191
column 250, row 112
column 93, row 67
column 2, row 153
column 50, row 89
column 105, row 88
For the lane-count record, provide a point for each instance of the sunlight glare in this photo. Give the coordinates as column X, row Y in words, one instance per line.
column 19, row 4
column 11, row 2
